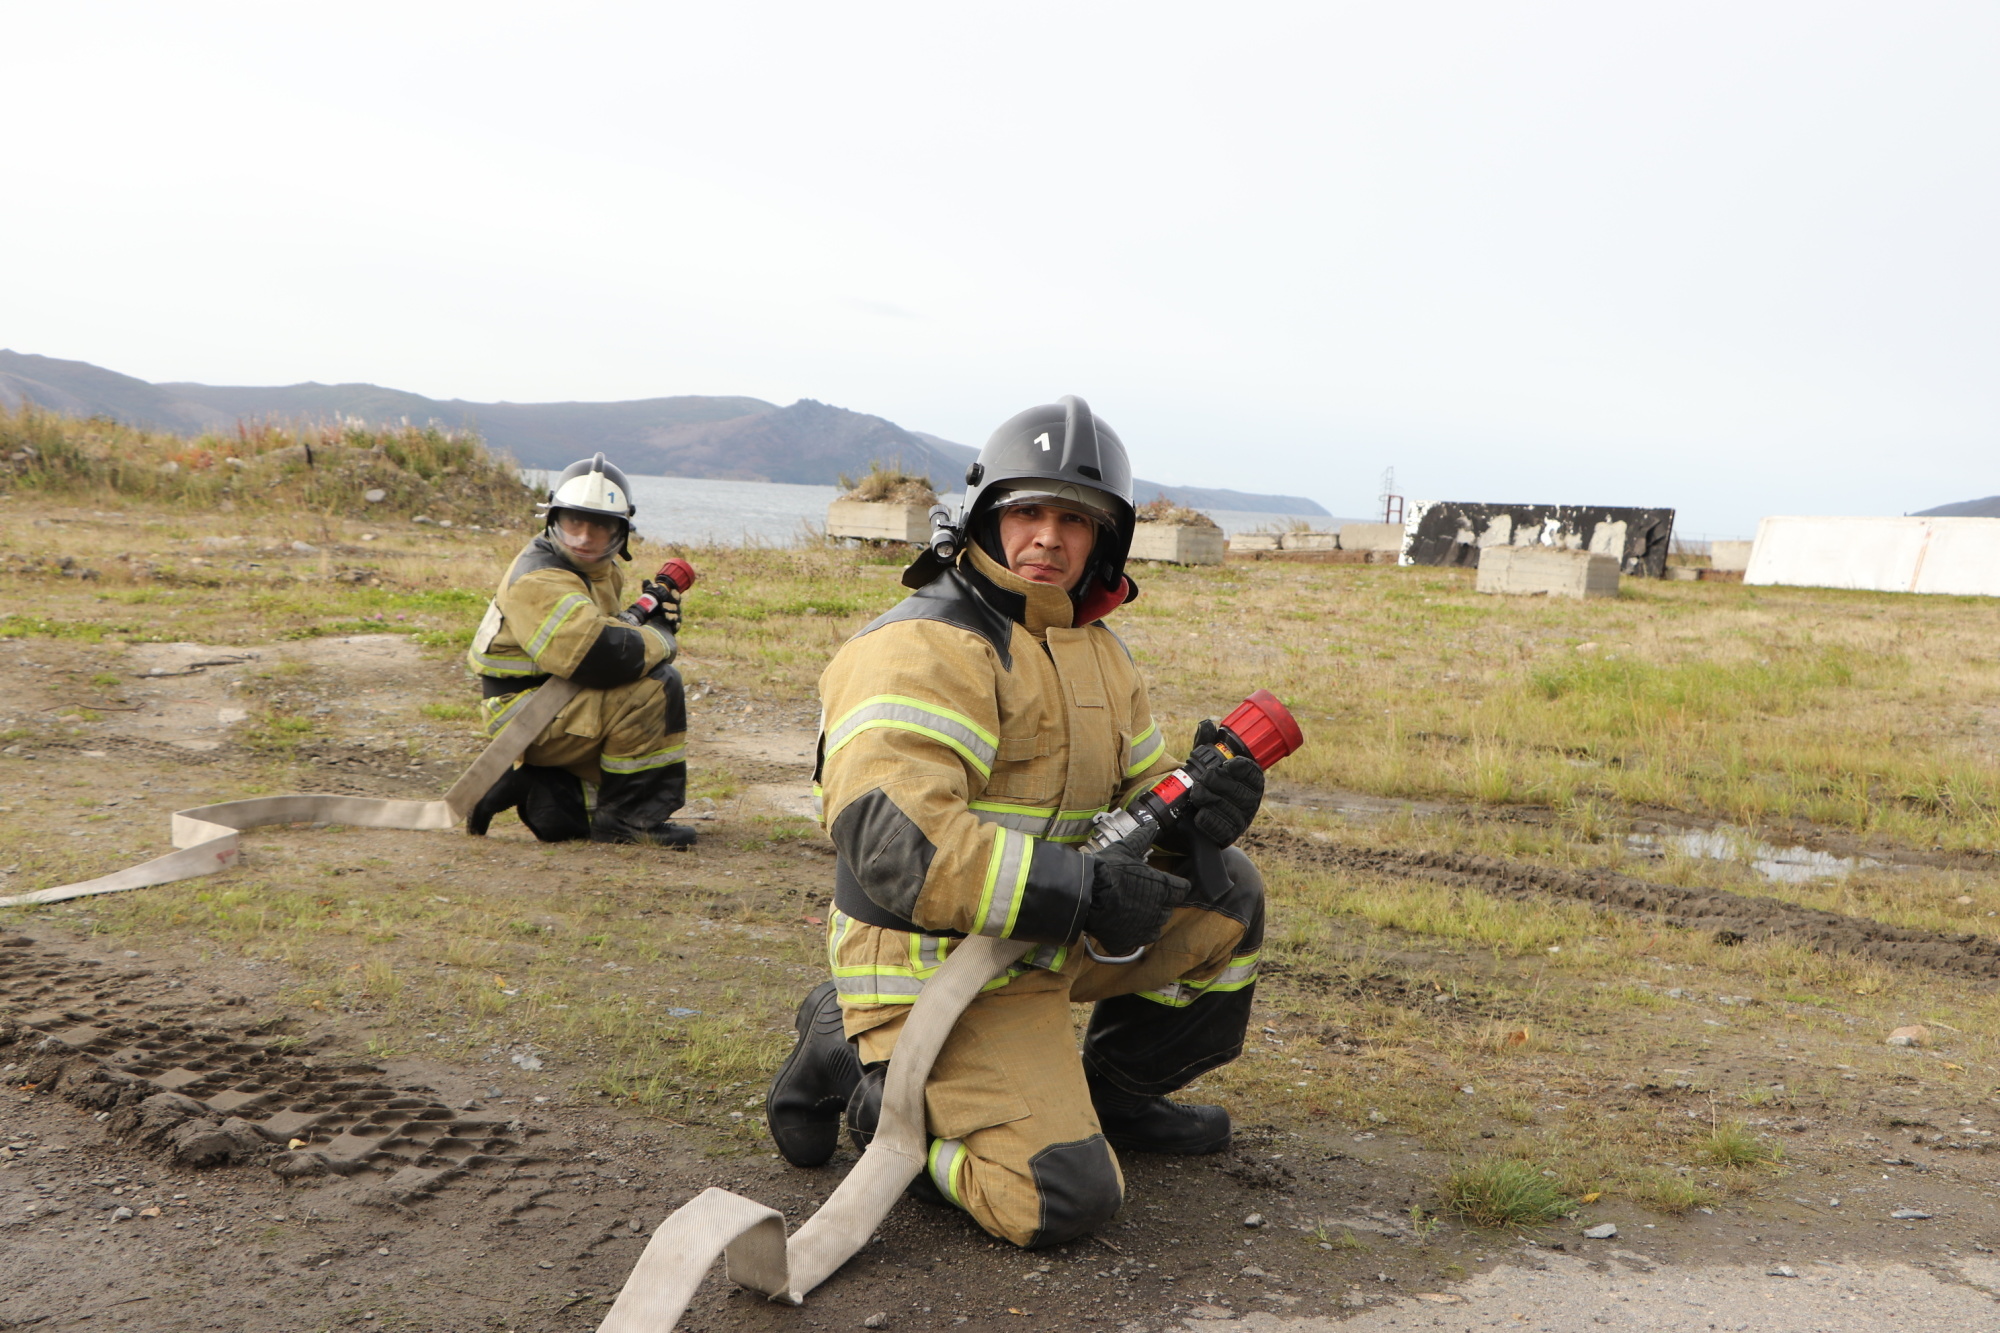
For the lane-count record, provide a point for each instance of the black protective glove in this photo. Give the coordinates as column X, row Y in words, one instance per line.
column 1226, row 792
column 1129, row 900
column 666, row 612
column 667, row 615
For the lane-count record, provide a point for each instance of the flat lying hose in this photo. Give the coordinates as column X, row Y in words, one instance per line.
column 718, row 1224
column 206, row 834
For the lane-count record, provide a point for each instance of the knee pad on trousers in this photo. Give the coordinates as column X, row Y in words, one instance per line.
column 1079, row 1188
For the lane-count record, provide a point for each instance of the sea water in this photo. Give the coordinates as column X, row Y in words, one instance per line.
column 694, row 511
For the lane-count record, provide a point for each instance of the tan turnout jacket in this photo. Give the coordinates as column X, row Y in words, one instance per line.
column 966, row 741
column 552, row 618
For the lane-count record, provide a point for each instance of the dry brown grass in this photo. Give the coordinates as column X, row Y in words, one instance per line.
column 1792, row 712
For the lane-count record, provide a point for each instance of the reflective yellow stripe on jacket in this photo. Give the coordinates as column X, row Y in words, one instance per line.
column 1146, row 747
column 900, row 983
column 1064, row 826
column 973, row 743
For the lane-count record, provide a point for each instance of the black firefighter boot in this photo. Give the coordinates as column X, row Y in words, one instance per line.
column 864, row 1113
column 552, row 802
column 633, row 807
column 502, row 795
column 1136, row 1122
column 812, row 1087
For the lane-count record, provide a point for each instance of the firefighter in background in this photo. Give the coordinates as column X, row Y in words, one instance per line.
column 612, row 765
column 968, row 737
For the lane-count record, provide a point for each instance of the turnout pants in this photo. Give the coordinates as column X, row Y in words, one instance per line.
column 613, row 760
column 1015, row 1141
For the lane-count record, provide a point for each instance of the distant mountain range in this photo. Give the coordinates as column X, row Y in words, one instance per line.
column 1987, row 508
column 742, row 439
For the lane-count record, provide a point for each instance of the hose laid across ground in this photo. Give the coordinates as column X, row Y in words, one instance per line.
column 717, row 1223
column 207, row 835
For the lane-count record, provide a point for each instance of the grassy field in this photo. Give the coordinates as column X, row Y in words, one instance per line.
column 1613, row 1056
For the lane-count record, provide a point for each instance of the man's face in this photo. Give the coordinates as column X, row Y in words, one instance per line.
column 588, row 539
column 1045, row 544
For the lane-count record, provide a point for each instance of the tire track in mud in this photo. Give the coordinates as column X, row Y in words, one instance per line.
column 208, row 1091
column 1731, row 917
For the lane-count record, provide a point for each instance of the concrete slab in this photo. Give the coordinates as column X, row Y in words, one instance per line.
column 1729, row 555
column 880, row 521
column 1371, row 536
column 1310, row 541
column 1953, row 556
column 1178, row 544
column 1255, row 541
column 1546, row 571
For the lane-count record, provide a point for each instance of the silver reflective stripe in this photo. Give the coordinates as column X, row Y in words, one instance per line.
column 930, row 950
column 1241, row 972
column 946, row 1157
column 509, row 704
column 1146, row 747
column 876, row 986
column 1047, row 957
column 1025, row 819
column 1072, row 825
column 1006, row 878
column 978, row 746
column 567, row 607
column 489, row 664
column 673, row 754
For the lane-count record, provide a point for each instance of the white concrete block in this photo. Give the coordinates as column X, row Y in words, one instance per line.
column 1531, row 570
column 1310, row 541
column 1729, row 555
column 878, row 521
column 1958, row 556
column 1177, row 544
column 1371, row 537
column 1254, row 541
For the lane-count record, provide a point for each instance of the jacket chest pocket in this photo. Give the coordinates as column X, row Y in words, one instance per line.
column 1025, row 770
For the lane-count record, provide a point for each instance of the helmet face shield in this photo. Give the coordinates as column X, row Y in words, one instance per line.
column 1092, row 503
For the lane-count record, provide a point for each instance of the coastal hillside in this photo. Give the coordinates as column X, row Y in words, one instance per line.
column 736, row 438
column 1987, row 508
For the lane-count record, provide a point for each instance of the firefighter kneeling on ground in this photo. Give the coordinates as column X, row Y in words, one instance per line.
column 612, row 765
column 968, row 737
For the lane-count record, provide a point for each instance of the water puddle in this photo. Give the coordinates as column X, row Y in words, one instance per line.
column 1788, row 865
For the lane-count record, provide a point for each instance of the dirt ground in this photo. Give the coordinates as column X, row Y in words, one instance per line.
column 365, row 1151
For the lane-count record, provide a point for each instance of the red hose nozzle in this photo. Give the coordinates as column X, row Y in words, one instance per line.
column 1266, row 728
column 677, row 572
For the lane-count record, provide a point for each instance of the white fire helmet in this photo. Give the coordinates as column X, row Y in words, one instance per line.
column 595, row 488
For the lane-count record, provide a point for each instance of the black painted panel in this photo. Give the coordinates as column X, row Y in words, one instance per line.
column 1449, row 532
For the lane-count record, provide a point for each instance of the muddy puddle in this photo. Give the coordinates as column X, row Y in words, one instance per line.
column 1780, row 865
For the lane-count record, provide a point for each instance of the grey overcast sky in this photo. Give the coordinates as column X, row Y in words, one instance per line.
column 1738, row 258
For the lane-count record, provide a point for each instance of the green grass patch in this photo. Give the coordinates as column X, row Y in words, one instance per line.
column 1731, row 1144
column 1504, row 1192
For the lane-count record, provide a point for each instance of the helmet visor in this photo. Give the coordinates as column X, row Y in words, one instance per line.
column 1088, row 501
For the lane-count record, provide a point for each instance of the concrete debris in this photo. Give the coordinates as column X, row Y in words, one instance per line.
column 1543, row 571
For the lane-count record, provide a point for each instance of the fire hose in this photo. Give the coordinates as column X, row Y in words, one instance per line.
column 750, row 1237
column 207, row 839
